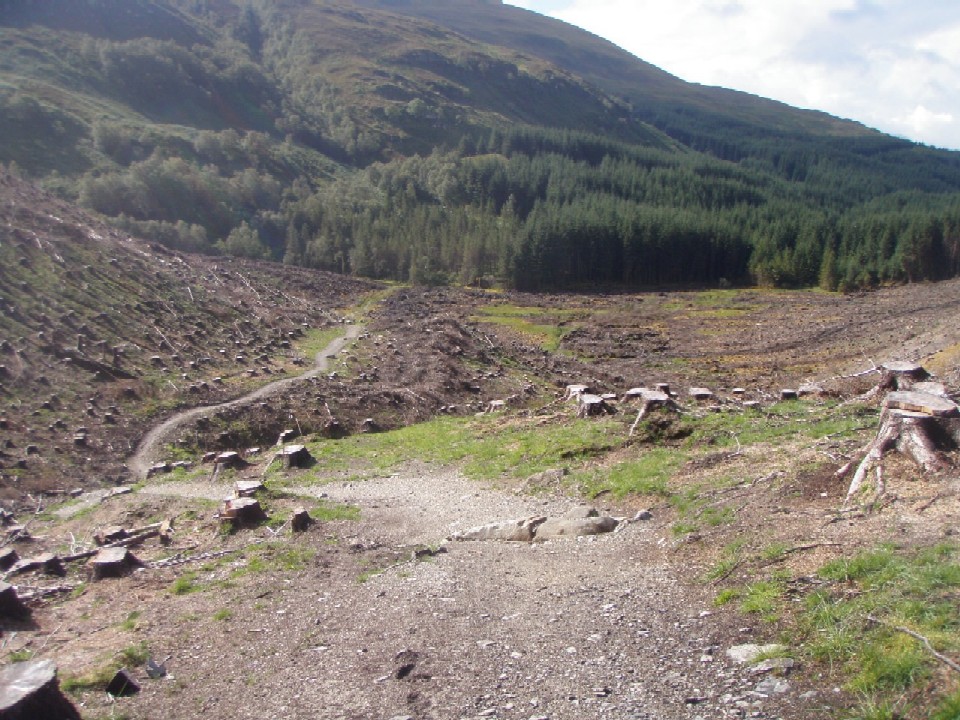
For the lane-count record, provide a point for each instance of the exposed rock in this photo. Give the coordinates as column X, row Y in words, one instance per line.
column 749, row 652
column 576, row 527
column 513, row 531
column 30, row 691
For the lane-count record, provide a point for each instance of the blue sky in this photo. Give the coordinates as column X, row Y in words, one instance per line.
column 891, row 64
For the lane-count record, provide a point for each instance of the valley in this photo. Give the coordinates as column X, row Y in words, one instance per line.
column 729, row 510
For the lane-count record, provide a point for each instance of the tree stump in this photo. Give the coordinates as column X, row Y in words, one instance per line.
column 30, row 691
column 651, row 399
column 592, row 405
column 243, row 511
column 295, row 456
column 112, row 562
column 919, row 425
column 11, row 606
column 573, row 392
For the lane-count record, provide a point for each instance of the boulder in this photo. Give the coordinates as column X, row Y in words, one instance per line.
column 567, row 526
column 511, row 531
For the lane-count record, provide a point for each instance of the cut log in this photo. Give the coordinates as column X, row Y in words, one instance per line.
column 920, row 402
column 573, row 392
column 30, row 691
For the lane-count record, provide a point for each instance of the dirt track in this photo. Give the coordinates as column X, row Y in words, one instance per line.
column 148, row 451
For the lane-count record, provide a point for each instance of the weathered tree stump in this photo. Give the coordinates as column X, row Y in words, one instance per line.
column 896, row 376
column 589, row 405
column 30, row 691
column 112, row 562
column 242, row 511
column 700, row 394
column 573, row 392
column 11, row 606
column 295, row 456
column 300, row 521
column 651, row 400
column 919, row 425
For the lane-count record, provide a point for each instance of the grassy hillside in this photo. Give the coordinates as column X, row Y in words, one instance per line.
column 462, row 141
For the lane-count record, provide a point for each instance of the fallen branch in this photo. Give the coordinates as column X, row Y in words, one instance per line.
column 952, row 664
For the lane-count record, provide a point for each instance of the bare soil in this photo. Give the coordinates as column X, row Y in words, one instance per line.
column 381, row 615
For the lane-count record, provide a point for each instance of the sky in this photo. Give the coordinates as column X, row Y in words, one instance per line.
column 893, row 65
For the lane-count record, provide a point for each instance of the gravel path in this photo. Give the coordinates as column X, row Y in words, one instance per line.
column 599, row 627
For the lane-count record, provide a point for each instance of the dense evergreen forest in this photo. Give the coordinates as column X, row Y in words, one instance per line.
column 362, row 140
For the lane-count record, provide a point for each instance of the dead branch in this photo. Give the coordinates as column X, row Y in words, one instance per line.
column 952, row 664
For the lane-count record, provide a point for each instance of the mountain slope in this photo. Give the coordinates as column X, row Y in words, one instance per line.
column 455, row 141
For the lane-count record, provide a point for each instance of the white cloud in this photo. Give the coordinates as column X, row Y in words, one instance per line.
column 891, row 64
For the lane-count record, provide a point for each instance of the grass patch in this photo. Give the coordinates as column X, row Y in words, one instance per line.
column 851, row 625
column 544, row 327
column 647, row 475
column 185, row 584
column 274, row 557
column 223, row 614
column 21, row 655
column 129, row 623
column 485, row 448
column 330, row 512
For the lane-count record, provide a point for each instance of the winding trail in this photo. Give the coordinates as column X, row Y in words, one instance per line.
column 146, row 452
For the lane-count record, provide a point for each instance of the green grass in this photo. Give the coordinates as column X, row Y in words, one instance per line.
column 545, row 327
column 223, row 614
column 329, row 512
column 485, row 448
column 21, row 655
column 648, row 474
column 850, row 624
column 129, row 623
column 779, row 422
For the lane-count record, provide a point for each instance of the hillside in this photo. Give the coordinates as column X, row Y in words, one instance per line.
column 452, row 142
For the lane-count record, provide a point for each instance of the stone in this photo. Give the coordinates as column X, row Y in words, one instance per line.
column 300, row 521
column 123, row 684
column 772, row 686
column 575, row 527
column 112, row 562
column 30, row 691
column 11, row 606
column 749, row 652
column 511, row 531
column 777, row 665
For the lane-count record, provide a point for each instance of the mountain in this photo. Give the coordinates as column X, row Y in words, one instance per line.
column 464, row 141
